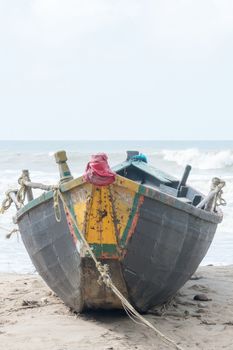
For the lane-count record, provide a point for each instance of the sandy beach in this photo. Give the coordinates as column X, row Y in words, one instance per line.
column 32, row 317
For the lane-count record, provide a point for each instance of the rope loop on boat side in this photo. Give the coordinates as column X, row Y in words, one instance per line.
column 218, row 184
column 16, row 196
column 105, row 277
column 10, row 197
column 56, row 205
column 10, row 232
column 214, row 198
column 21, row 193
column 6, row 203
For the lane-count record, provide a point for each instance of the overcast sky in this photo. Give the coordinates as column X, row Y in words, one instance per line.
column 123, row 69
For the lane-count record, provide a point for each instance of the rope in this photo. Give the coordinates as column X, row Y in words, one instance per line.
column 8, row 236
column 106, row 279
column 214, row 198
column 10, row 232
column 56, row 206
column 15, row 196
column 218, row 184
column 6, row 203
column 21, row 193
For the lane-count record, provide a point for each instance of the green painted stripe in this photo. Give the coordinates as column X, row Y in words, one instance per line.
column 130, row 221
column 76, row 231
column 104, row 249
column 98, row 249
column 39, row 200
column 147, row 192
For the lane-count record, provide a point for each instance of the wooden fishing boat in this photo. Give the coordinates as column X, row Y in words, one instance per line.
column 151, row 229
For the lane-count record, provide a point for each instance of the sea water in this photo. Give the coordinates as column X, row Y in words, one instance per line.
column 208, row 159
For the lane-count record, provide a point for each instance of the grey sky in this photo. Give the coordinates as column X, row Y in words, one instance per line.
column 103, row 69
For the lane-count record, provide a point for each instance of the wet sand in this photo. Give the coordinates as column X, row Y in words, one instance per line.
column 32, row 318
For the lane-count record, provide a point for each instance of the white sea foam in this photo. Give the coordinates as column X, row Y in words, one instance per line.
column 200, row 159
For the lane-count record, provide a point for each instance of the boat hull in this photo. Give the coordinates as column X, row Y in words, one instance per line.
column 165, row 243
column 164, row 251
column 55, row 256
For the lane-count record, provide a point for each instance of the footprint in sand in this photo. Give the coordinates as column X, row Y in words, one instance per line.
column 201, row 288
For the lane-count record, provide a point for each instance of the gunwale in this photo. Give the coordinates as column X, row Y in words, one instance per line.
column 149, row 192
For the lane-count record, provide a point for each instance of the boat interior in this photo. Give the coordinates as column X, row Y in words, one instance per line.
column 137, row 169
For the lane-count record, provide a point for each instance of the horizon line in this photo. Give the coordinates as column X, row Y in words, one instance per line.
column 117, row 140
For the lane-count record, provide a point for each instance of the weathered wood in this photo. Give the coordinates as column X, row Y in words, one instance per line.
column 13, row 197
column 131, row 154
column 65, row 174
column 184, row 177
column 29, row 189
column 208, row 201
column 38, row 186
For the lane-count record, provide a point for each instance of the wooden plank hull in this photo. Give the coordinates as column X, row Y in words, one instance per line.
column 165, row 250
column 151, row 242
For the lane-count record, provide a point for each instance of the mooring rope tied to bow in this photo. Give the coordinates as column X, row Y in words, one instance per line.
column 106, row 279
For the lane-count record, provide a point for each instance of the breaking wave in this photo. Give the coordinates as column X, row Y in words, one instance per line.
column 200, row 159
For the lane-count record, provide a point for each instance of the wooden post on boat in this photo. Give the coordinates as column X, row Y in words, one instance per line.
column 212, row 196
column 65, row 174
column 29, row 192
column 210, row 201
column 184, row 177
column 14, row 199
column 131, row 154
